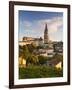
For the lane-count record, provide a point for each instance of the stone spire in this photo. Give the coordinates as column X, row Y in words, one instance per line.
column 46, row 35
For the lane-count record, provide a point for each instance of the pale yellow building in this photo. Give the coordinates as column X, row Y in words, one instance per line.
column 29, row 40
column 22, row 62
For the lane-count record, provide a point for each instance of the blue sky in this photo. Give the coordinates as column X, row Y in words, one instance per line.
column 32, row 24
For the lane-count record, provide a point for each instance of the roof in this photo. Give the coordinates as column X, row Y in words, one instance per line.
column 40, row 39
column 54, row 62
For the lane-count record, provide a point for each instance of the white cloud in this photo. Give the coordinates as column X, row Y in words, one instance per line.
column 36, row 28
column 52, row 38
column 25, row 24
column 53, row 24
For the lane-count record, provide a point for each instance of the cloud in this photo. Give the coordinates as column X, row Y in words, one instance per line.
column 53, row 23
column 36, row 28
column 52, row 38
column 25, row 24
column 38, row 25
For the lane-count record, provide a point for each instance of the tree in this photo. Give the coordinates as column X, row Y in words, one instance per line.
column 20, row 51
column 40, row 47
column 58, row 57
column 32, row 59
column 42, row 59
column 34, row 45
column 31, row 47
column 23, row 51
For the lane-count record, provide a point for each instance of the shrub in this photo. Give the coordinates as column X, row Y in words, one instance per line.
column 39, row 72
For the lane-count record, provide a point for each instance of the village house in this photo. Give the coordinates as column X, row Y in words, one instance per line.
column 45, row 52
column 30, row 40
column 49, row 48
column 55, row 63
column 58, row 48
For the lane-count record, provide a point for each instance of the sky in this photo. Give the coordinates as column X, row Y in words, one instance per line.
column 32, row 24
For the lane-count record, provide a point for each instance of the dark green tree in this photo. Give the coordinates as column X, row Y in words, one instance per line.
column 25, row 52
column 32, row 59
column 42, row 59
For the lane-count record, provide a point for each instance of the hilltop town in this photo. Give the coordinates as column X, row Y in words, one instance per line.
column 46, row 47
column 40, row 52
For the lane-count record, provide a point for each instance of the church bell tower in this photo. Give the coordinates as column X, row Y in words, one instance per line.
column 46, row 35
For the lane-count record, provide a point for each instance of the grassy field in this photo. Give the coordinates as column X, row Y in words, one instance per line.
column 39, row 72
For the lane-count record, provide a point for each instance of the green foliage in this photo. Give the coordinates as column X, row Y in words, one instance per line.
column 26, row 52
column 34, row 45
column 58, row 57
column 42, row 59
column 54, row 47
column 32, row 59
column 40, row 47
column 31, row 47
column 20, row 51
column 39, row 72
column 37, row 67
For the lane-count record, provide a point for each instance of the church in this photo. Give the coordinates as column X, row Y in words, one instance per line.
column 45, row 42
column 45, row 50
column 46, row 37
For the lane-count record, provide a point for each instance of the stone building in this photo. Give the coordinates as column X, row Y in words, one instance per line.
column 30, row 40
column 46, row 38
